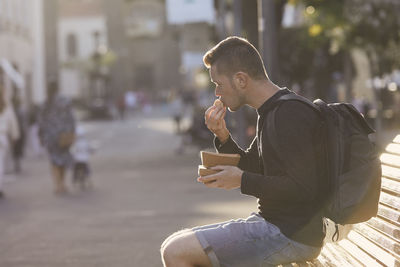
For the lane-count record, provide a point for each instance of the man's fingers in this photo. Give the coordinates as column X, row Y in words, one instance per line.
column 206, row 179
column 208, row 111
column 220, row 114
column 219, row 168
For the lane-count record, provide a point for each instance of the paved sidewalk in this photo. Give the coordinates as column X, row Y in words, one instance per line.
column 143, row 192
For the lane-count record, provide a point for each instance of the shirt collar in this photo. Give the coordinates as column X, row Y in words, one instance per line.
column 270, row 101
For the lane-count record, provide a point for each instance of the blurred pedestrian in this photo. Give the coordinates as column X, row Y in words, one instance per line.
column 121, row 105
column 197, row 134
column 18, row 145
column 9, row 132
column 57, row 134
column 131, row 101
column 177, row 109
column 33, row 131
column 81, row 151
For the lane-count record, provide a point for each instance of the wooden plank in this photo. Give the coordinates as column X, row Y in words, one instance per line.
column 372, row 249
column 390, row 186
column 385, row 227
column 319, row 262
column 359, row 254
column 390, row 200
column 393, row 148
column 302, row 264
column 390, row 159
column 324, row 259
column 397, row 139
column 391, row 172
column 341, row 256
column 391, row 246
column 389, row 214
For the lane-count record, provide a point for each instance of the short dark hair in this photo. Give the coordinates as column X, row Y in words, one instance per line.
column 235, row 54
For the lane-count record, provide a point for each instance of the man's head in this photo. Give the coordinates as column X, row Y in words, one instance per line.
column 234, row 63
column 235, row 54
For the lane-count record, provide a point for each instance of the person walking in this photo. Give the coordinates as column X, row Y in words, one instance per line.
column 288, row 226
column 57, row 133
column 9, row 132
column 18, row 146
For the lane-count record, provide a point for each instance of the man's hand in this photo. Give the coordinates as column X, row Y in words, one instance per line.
column 214, row 118
column 229, row 177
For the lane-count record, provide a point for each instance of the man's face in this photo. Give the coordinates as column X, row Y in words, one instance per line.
column 226, row 90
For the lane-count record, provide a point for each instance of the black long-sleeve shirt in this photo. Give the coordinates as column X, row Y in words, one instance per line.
column 288, row 197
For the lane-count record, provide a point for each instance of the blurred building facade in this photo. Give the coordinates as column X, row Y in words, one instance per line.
column 146, row 48
column 81, row 31
column 193, row 22
column 158, row 44
column 28, row 53
column 19, row 28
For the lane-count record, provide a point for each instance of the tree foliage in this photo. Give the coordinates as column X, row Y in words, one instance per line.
column 329, row 29
column 372, row 25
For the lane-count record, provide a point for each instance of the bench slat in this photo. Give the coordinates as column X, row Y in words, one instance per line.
column 391, row 172
column 356, row 252
column 385, row 227
column 302, row 264
column 372, row 249
column 390, row 159
column 390, row 200
column 397, row 139
column 393, row 148
column 341, row 256
column 390, row 186
column 389, row 214
column 390, row 245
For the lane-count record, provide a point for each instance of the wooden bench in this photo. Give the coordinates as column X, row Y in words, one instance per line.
column 377, row 241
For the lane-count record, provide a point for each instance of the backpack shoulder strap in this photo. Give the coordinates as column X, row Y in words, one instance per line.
column 272, row 135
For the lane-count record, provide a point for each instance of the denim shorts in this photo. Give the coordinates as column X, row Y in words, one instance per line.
column 250, row 242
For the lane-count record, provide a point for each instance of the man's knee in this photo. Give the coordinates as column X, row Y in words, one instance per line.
column 183, row 247
column 172, row 247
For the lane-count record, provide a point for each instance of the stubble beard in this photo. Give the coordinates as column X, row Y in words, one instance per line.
column 239, row 97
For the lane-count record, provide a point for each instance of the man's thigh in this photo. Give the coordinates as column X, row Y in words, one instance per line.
column 242, row 242
column 185, row 245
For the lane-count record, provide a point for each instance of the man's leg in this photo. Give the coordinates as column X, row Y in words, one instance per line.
column 183, row 249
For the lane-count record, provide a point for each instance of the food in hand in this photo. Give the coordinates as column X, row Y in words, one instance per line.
column 211, row 159
column 203, row 171
column 218, row 103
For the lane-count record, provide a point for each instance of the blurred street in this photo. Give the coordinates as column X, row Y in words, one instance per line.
column 143, row 192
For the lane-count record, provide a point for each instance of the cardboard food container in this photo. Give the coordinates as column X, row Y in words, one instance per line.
column 211, row 159
column 203, row 171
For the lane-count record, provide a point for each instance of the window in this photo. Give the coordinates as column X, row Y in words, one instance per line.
column 72, row 46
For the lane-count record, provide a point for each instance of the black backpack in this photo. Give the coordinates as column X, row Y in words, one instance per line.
column 352, row 167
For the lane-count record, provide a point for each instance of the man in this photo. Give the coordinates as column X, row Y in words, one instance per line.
column 288, row 226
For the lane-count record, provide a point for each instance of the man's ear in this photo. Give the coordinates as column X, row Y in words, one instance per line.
column 241, row 79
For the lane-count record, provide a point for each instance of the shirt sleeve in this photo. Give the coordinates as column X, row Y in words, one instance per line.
column 249, row 159
column 295, row 125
